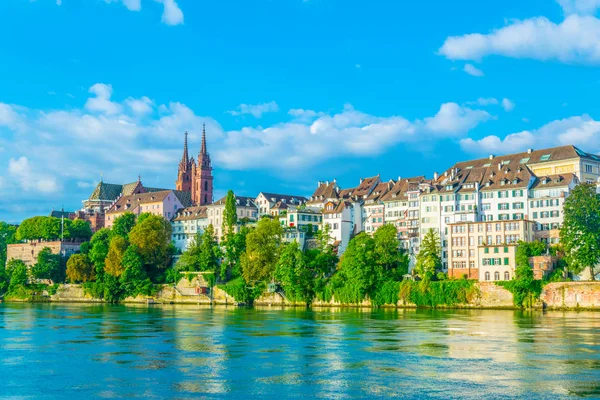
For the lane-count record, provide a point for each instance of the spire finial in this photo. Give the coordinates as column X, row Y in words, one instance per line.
column 139, row 177
column 203, row 149
column 185, row 158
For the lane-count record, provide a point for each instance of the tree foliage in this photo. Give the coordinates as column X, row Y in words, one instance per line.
column 123, row 224
column 49, row 266
column 429, row 258
column 80, row 268
column 7, row 236
column 152, row 237
column 113, row 262
column 262, row 251
column 580, row 231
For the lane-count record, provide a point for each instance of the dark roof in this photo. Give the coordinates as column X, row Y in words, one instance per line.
column 280, row 206
column 380, row 190
column 241, row 201
column 401, row 187
column 190, row 213
column 276, row 198
column 111, row 191
column 61, row 214
column 185, row 198
column 325, row 191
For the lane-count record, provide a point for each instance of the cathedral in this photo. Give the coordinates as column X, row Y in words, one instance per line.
column 196, row 178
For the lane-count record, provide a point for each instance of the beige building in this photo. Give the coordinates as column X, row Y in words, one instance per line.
column 28, row 252
column 164, row 203
column 486, row 250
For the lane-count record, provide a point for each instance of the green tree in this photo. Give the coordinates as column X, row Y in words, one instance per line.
column 210, row 253
column 80, row 229
column 429, row 258
column 49, row 266
column 152, row 237
column 231, row 251
column 134, row 279
column 18, row 275
column 230, row 217
column 113, row 263
column 358, row 265
column 7, row 236
column 580, row 232
column 392, row 260
column 80, row 268
column 124, row 224
column 262, row 251
column 99, row 245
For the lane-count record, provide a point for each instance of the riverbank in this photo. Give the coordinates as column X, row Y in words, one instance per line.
column 484, row 295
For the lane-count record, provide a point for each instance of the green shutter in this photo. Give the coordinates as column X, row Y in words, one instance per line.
column 496, row 250
column 505, row 260
column 506, row 249
column 486, row 250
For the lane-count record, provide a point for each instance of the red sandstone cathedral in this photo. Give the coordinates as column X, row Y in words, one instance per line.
column 196, row 178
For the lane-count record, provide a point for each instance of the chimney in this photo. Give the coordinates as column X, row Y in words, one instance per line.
column 529, row 151
column 435, row 176
column 491, row 156
column 361, row 180
column 399, row 178
column 445, row 173
column 327, row 183
column 499, row 166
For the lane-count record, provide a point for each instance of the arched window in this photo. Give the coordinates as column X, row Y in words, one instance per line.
column 205, row 199
column 496, row 276
column 205, row 185
column 487, row 276
column 507, row 276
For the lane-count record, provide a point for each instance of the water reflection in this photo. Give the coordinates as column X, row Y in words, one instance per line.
column 190, row 351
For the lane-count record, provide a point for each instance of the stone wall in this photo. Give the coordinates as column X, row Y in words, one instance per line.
column 566, row 295
column 28, row 252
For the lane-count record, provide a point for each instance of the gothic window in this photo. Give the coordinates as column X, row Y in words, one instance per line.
column 205, row 199
column 205, row 185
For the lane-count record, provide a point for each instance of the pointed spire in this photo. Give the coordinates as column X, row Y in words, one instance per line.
column 139, row 177
column 185, row 158
column 203, row 149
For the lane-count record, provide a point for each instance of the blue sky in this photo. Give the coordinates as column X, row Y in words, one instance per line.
column 292, row 91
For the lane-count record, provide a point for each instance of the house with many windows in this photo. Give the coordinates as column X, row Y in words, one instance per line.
column 186, row 224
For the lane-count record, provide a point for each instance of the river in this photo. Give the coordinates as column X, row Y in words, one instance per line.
column 188, row 352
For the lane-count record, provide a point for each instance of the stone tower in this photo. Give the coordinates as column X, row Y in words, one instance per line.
column 185, row 173
column 203, row 182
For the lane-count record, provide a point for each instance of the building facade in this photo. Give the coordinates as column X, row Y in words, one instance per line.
column 164, row 204
column 246, row 212
column 187, row 224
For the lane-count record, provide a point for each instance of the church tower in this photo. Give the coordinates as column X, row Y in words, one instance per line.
column 185, row 174
column 203, row 182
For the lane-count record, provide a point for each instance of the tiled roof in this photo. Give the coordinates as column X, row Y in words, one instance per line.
column 276, row 198
column 241, row 201
column 401, row 187
column 185, row 198
column 280, row 206
column 131, row 201
column 380, row 190
column 325, row 191
column 191, row 213
column 106, row 192
column 338, row 207
column 61, row 214
column 554, row 181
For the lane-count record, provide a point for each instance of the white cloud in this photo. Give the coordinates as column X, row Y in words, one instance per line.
column 172, row 14
column 581, row 131
column 140, row 106
column 9, row 117
column 28, row 179
column 132, row 5
column 101, row 103
column 58, row 2
column 574, row 40
column 455, row 119
column 507, row 104
column 304, row 115
column 472, row 70
column 484, row 101
column 257, row 110
column 579, row 6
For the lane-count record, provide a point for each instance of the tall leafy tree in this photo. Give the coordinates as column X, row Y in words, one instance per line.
column 359, row 265
column 296, row 273
column 152, row 237
column 18, row 275
column 114, row 259
column 124, row 224
column 80, row 229
column 210, row 252
column 230, row 217
column 429, row 258
column 231, row 251
column 262, row 251
column 7, row 236
column 98, row 250
column 80, row 268
column 390, row 257
column 49, row 266
column 580, row 232
column 134, row 279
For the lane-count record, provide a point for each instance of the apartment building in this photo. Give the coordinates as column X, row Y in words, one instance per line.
column 272, row 203
column 486, row 250
column 402, row 209
column 245, row 207
column 186, row 224
column 374, row 215
column 164, row 203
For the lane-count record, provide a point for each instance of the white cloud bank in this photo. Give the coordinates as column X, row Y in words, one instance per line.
column 256, row 110
column 172, row 14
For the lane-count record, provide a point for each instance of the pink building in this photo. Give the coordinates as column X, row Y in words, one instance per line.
column 163, row 203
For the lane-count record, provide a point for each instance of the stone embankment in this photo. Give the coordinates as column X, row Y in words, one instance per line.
column 571, row 295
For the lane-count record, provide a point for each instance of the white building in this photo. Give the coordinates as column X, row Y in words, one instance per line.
column 187, row 223
column 267, row 202
column 246, row 212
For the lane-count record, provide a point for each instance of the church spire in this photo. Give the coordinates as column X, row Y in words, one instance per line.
column 185, row 158
column 203, row 149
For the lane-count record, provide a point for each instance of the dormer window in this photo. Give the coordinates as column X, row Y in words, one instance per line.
column 515, row 181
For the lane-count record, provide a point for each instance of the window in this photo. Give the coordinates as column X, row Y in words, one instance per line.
column 486, row 250
column 496, row 276
column 496, row 250
column 506, row 249
column 487, row 276
column 545, row 157
column 588, row 168
column 507, row 276
column 505, row 260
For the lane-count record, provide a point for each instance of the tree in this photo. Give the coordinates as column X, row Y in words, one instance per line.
column 49, row 266
column 390, row 258
column 80, row 268
column 134, row 279
column 7, row 236
column 210, row 253
column 358, row 265
column 230, row 212
column 296, row 273
column 429, row 257
column 124, row 224
column 113, row 263
column 152, row 237
column 99, row 245
column 18, row 276
column 580, row 232
column 262, row 251
column 80, row 229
